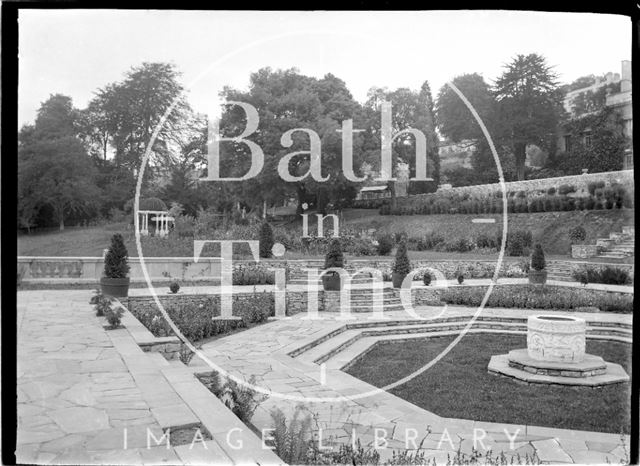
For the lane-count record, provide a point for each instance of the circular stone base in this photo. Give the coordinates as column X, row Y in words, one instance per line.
column 614, row 373
column 589, row 366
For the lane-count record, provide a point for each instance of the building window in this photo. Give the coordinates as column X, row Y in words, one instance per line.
column 567, row 143
column 587, row 139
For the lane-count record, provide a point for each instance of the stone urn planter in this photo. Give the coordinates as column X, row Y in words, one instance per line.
column 334, row 259
column 537, row 277
column 556, row 338
column 397, row 279
column 116, row 287
column 331, row 282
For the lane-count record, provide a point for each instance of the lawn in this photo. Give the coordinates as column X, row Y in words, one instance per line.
column 552, row 228
column 459, row 386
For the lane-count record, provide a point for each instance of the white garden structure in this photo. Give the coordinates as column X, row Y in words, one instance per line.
column 161, row 219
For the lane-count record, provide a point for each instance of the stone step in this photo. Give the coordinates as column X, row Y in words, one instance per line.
column 330, row 348
column 400, row 326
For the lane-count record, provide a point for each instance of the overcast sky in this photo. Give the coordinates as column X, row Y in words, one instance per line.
column 74, row 52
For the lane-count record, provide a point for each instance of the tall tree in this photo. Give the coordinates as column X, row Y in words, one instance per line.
column 54, row 168
column 455, row 120
column 126, row 114
column 529, row 106
column 286, row 100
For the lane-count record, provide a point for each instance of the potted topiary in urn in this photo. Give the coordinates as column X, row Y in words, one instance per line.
column 334, row 258
column 537, row 272
column 401, row 266
column 115, row 281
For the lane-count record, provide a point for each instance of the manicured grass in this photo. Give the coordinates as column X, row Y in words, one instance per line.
column 459, row 386
column 74, row 241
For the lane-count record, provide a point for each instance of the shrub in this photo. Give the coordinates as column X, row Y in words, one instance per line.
column 385, row 245
column 102, row 304
column 614, row 276
column 485, row 241
column 551, row 191
column 577, row 235
column 184, row 226
column 334, row 257
column 426, row 278
column 594, row 185
column 116, row 261
column 195, row 320
column 266, row 240
column 460, row 279
column 174, row 287
column 402, row 265
column 536, row 297
column 537, row 258
column 566, row 189
column 113, row 315
column 517, row 241
column 608, row 275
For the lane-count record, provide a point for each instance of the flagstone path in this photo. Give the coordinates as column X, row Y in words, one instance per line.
column 90, row 396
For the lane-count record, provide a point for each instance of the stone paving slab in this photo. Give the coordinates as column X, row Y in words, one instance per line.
column 91, row 396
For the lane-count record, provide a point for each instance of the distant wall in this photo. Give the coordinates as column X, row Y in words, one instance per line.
column 624, row 177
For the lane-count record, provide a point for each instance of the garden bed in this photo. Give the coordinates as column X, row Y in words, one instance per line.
column 485, row 397
column 540, row 297
column 193, row 314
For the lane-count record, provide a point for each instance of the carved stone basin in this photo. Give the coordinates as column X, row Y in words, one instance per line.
column 556, row 339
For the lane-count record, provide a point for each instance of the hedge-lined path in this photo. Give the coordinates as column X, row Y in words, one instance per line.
column 82, row 390
column 268, row 352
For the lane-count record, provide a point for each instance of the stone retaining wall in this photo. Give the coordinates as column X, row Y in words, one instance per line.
column 624, row 177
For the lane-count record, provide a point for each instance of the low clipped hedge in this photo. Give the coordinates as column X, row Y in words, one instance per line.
column 540, row 297
column 195, row 319
column 607, row 275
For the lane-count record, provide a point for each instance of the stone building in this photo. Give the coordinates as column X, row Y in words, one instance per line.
column 617, row 89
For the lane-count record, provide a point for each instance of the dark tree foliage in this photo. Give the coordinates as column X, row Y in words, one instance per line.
column 116, row 261
column 334, row 256
column 266, row 240
column 529, row 106
column 537, row 258
column 402, row 265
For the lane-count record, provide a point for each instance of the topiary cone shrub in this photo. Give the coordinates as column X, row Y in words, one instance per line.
column 333, row 259
column 401, row 266
column 116, row 267
column 537, row 273
column 266, row 240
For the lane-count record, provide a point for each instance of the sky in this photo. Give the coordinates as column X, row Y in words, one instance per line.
column 75, row 52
